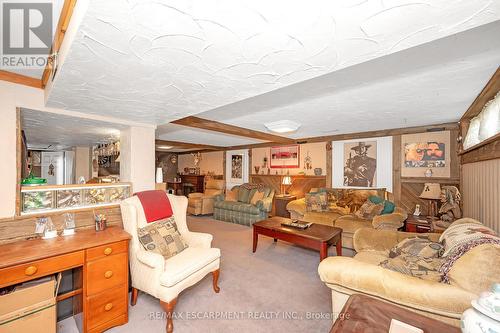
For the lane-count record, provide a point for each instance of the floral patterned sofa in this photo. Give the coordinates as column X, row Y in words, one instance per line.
column 340, row 209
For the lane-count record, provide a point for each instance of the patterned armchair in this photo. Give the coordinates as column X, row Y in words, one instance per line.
column 242, row 211
column 203, row 203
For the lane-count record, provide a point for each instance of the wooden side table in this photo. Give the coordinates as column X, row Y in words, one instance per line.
column 280, row 202
column 420, row 224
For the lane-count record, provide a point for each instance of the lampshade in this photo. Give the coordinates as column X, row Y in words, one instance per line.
column 287, row 180
column 431, row 191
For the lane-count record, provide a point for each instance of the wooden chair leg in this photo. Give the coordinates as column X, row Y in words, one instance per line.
column 169, row 309
column 133, row 296
column 215, row 280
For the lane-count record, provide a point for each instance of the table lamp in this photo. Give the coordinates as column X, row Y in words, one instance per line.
column 286, row 182
column 431, row 192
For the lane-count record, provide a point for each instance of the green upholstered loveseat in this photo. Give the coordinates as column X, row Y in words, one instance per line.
column 242, row 211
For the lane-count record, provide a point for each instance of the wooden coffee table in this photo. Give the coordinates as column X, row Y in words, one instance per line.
column 317, row 237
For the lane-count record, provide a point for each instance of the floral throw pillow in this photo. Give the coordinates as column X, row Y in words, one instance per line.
column 317, row 202
column 422, row 268
column 419, row 246
column 162, row 237
column 369, row 210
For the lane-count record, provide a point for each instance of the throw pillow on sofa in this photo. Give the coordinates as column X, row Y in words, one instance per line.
column 317, row 202
column 162, row 237
column 422, row 268
column 232, row 195
column 257, row 196
column 388, row 205
column 419, row 246
column 243, row 195
column 369, row 210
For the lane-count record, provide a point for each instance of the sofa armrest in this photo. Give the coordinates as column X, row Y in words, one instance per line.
column 395, row 287
column 219, row 197
column 198, row 239
column 298, row 206
column 388, row 221
column 367, row 239
column 151, row 259
column 195, row 195
column 265, row 204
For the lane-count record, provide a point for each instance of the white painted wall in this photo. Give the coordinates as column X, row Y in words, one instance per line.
column 137, row 157
column 384, row 162
column 231, row 182
column 82, row 163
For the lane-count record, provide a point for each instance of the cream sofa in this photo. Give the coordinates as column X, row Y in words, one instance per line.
column 343, row 218
column 473, row 273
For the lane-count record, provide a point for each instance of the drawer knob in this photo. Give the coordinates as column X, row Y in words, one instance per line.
column 108, row 274
column 30, row 270
column 108, row 306
column 108, row 251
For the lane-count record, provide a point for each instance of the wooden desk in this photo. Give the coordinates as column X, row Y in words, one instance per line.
column 101, row 279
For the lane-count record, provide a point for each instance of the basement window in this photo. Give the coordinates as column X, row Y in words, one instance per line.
column 485, row 125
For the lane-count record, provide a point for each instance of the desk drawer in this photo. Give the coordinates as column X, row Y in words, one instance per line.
column 39, row 268
column 106, row 250
column 106, row 306
column 107, row 273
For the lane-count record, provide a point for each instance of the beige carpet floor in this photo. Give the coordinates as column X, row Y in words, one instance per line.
column 276, row 289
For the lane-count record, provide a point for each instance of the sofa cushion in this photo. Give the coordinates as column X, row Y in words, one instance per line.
column 419, row 246
column 187, row 263
column 350, row 223
column 327, row 218
column 423, row 268
column 369, row 210
column 237, row 207
column 243, row 195
column 162, row 237
column 372, row 257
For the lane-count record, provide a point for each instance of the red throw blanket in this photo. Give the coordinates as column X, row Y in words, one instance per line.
column 155, row 204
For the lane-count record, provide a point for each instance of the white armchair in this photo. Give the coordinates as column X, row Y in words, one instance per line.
column 166, row 279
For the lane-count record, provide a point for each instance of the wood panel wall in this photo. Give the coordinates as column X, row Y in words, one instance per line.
column 300, row 184
column 23, row 227
column 481, row 192
column 480, row 165
column 407, row 189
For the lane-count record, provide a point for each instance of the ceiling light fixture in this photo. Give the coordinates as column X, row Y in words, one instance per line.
column 282, row 126
column 165, row 147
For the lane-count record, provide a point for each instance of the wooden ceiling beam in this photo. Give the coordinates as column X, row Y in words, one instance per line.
column 187, row 145
column 20, row 79
column 62, row 26
column 216, row 126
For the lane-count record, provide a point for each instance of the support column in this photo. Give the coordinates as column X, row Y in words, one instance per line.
column 137, row 157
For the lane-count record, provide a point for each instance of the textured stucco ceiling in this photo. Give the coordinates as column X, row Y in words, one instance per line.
column 180, row 133
column 152, row 61
column 429, row 84
column 44, row 128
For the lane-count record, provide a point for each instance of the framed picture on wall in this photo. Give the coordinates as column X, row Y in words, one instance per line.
column 425, row 151
column 285, row 157
column 237, row 167
column 360, row 164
